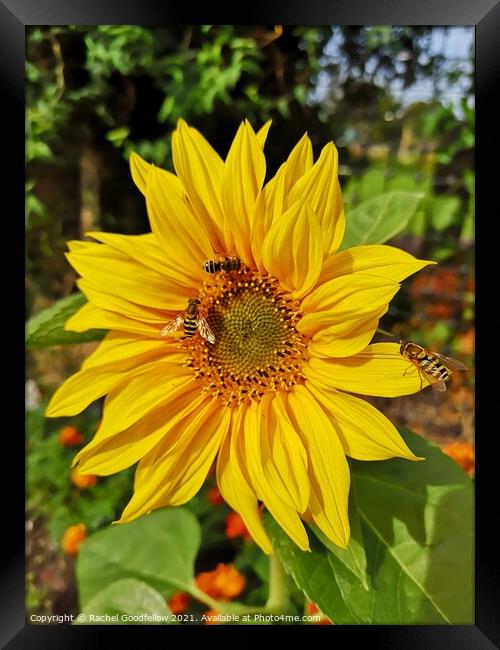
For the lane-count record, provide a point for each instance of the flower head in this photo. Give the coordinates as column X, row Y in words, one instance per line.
column 259, row 373
column 462, row 452
column 72, row 538
column 214, row 496
column 225, row 582
column 70, row 437
column 178, row 602
column 313, row 609
column 82, row 481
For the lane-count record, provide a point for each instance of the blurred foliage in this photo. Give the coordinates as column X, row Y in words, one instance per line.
column 99, row 92
column 52, row 494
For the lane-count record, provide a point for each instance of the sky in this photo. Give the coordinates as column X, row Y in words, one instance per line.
column 455, row 45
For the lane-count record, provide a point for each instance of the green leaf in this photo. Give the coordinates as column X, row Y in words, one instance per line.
column 47, row 327
column 379, row 219
column 123, row 601
column 416, row 525
column 443, row 210
column 158, row 549
column 118, row 136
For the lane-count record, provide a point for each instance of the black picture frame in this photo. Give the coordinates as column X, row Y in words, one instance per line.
column 15, row 15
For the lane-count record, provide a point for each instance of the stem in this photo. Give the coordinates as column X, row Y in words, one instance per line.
column 381, row 331
column 204, row 598
column 279, row 592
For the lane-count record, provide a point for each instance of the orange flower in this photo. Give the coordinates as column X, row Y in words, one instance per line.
column 312, row 608
column 235, row 527
column 440, row 310
column 82, row 481
column 223, row 583
column 465, row 342
column 178, row 602
column 69, row 437
column 214, row 496
column 72, row 538
column 210, row 617
column 462, row 452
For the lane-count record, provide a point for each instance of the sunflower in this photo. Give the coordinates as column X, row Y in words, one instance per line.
column 270, row 398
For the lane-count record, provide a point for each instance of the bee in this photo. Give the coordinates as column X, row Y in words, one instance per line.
column 192, row 322
column 434, row 366
column 225, row 264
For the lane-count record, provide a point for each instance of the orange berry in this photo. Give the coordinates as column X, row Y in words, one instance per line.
column 210, row 615
column 178, row 602
column 235, row 527
column 465, row 342
column 214, row 496
column 72, row 538
column 223, row 583
column 82, row 481
column 69, row 437
column 462, row 452
column 312, row 608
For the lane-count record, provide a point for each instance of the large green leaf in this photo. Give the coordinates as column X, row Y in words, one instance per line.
column 377, row 220
column 126, row 602
column 416, row 521
column 47, row 327
column 158, row 549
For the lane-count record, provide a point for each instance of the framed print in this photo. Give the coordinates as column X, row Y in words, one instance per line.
column 250, row 338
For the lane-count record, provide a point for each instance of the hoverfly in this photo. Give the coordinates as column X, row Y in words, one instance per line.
column 225, row 264
column 192, row 322
column 434, row 366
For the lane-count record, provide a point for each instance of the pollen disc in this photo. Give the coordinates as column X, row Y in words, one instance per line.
column 257, row 347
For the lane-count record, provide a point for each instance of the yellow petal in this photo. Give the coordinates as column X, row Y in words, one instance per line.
column 89, row 317
column 235, row 487
column 386, row 261
column 298, row 163
column 261, row 134
column 182, row 238
column 147, row 388
column 268, row 206
column 145, row 249
column 78, row 245
column 244, row 173
column 345, row 339
column 140, row 170
column 320, row 187
column 200, row 169
column 120, row 351
column 279, row 453
column 251, row 442
column 364, row 432
column 106, row 455
column 270, row 202
column 176, row 476
column 328, row 468
column 124, row 307
column 80, row 390
column 113, row 271
column 378, row 370
column 105, row 368
column 344, row 298
column 292, row 250
column 341, row 315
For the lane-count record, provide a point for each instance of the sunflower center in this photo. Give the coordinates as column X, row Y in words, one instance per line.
column 257, row 347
